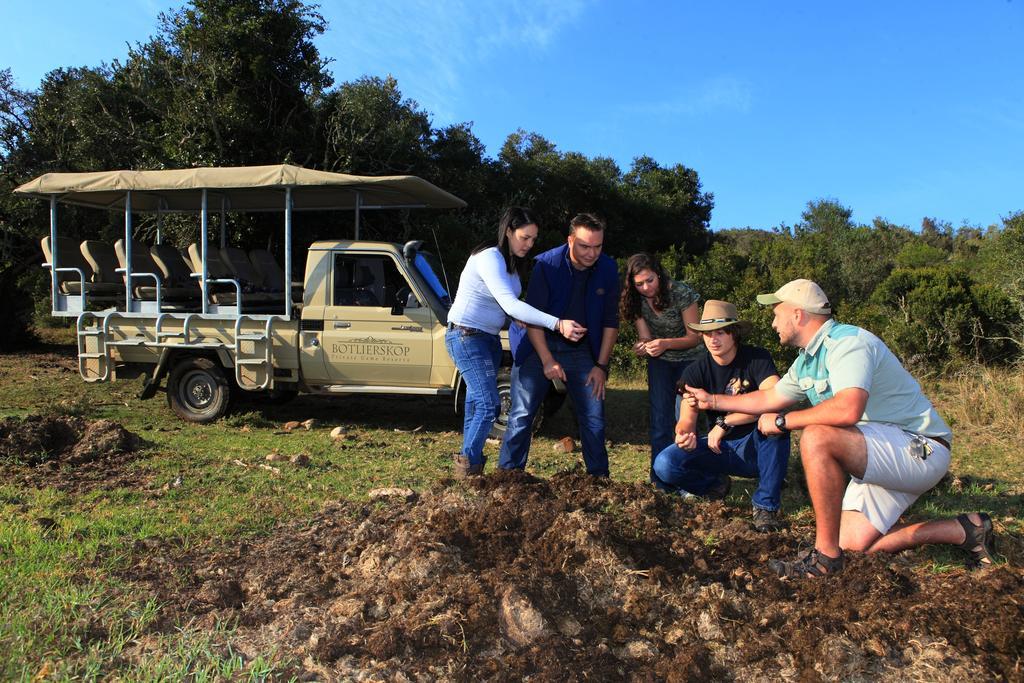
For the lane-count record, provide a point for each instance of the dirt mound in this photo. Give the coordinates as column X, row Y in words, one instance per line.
column 40, row 450
column 35, row 440
column 574, row 578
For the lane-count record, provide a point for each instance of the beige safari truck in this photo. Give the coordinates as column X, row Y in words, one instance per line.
column 367, row 318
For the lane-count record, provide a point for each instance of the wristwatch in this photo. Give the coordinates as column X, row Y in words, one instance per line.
column 603, row 366
column 720, row 422
column 780, row 423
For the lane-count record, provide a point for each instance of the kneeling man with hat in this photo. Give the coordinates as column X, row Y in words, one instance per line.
column 868, row 421
column 700, row 467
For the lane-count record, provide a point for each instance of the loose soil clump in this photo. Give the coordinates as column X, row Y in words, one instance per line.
column 576, row 578
column 63, row 451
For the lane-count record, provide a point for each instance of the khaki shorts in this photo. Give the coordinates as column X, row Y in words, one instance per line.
column 893, row 478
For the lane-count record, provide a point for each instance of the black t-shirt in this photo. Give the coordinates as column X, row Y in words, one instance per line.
column 751, row 366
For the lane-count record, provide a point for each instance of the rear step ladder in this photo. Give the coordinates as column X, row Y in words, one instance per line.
column 254, row 370
column 93, row 365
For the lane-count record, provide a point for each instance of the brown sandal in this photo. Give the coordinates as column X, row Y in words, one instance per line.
column 810, row 563
column 980, row 541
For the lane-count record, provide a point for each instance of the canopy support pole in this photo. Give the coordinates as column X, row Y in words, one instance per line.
column 287, row 252
column 128, row 251
column 53, row 251
column 204, row 220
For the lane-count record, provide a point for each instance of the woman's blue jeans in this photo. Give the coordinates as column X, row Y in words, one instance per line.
column 662, row 377
column 754, row 455
column 477, row 355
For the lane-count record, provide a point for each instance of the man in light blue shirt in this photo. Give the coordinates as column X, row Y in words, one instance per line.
column 868, row 419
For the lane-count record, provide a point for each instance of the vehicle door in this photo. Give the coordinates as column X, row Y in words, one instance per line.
column 366, row 339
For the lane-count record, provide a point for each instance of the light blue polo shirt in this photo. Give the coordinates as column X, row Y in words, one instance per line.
column 842, row 356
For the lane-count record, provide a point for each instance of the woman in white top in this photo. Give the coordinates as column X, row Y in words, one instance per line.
column 487, row 297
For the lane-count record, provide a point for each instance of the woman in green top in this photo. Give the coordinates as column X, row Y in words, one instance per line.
column 660, row 308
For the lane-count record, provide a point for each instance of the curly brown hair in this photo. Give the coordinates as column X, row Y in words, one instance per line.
column 629, row 303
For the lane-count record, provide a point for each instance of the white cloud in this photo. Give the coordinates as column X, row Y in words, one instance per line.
column 429, row 45
column 723, row 94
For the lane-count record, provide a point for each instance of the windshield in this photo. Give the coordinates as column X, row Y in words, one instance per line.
column 428, row 266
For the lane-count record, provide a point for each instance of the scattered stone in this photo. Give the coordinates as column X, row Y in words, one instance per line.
column 289, row 426
column 568, row 626
column 520, row 621
column 564, row 445
column 276, row 457
column 638, row 649
column 309, row 424
column 392, row 492
column 708, row 628
column 338, row 433
column 300, row 460
column 244, row 429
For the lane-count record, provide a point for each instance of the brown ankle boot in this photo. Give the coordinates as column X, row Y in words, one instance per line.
column 462, row 468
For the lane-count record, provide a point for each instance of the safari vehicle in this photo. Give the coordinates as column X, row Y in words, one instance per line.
column 368, row 317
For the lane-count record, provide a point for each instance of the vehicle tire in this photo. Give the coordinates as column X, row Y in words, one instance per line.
column 197, row 390
column 552, row 403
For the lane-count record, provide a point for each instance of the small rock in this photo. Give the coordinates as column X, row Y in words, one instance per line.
column 338, row 433
column 564, row 445
column 310, row 423
column 392, row 492
column 289, row 426
column 276, row 457
column 520, row 621
column 639, row 649
column 244, row 429
column 708, row 628
column 300, row 460
column 568, row 626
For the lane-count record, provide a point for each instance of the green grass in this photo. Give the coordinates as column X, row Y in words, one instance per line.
column 66, row 613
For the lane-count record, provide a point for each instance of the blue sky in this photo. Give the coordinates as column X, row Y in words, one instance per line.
column 897, row 109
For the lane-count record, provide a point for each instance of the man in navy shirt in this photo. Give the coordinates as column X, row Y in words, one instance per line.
column 573, row 282
column 700, row 467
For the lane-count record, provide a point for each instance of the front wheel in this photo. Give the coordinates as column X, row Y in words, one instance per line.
column 552, row 403
column 197, row 390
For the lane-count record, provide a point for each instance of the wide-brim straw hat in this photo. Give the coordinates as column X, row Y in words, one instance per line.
column 718, row 314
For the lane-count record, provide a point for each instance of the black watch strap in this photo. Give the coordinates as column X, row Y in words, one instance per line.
column 780, row 422
column 720, row 421
column 604, row 367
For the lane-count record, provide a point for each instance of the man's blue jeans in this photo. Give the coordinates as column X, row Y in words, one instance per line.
column 530, row 386
column 662, row 376
column 478, row 358
column 754, row 455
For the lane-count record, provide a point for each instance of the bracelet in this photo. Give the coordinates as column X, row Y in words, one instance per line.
column 603, row 366
column 714, row 401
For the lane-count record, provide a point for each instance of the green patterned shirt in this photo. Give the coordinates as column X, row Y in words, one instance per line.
column 669, row 323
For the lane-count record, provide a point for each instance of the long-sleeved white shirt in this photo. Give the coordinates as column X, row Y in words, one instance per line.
column 488, row 295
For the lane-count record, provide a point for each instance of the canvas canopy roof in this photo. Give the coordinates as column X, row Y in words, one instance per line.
column 240, row 188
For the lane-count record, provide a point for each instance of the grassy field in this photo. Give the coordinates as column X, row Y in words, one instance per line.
column 68, row 610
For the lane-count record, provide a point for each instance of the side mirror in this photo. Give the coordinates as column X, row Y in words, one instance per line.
column 404, row 299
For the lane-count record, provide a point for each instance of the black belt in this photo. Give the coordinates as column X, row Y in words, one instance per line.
column 466, row 330
column 940, row 440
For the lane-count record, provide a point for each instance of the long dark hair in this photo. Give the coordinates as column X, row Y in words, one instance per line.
column 629, row 303
column 515, row 217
